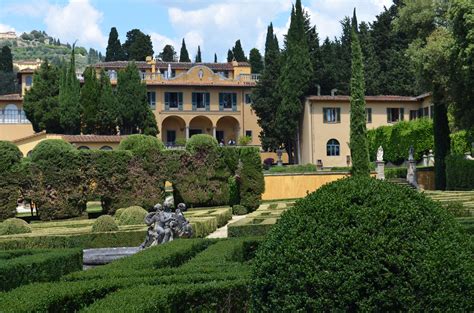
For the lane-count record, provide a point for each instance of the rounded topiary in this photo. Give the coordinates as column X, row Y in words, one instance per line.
column 360, row 244
column 50, row 149
column 119, row 212
column 9, row 156
column 239, row 210
column 13, row 226
column 201, row 142
column 104, row 223
column 132, row 216
column 141, row 144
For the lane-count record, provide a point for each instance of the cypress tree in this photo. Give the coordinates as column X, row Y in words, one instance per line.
column 343, row 58
column 6, row 60
column 315, row 54
column 371, row 65
column 198, row 56
column 183, row 54
column 215, row 58
column 114, row 51
column 238, row 52
column 358, row 136
column 90, row 94
column 107, row 107
column 69, row 98
column 41, row 102
column 230, row 56
column 256, row 61
column 150, row 127
column 137, row 46
column 168, row 54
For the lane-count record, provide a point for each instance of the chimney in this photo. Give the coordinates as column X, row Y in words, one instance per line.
column 333, row 92
column 319, row 89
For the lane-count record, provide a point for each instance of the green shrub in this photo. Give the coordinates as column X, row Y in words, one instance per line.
column 395, row 172
column 104, row 223
column 141, row 144
column 239, row 210
column 459, row 173
column 250, row 227
column 13, row 226
column 461, row 142
column 302, row 168
column 234, row 193
column 252, row 183
column 133, row 215
column 379, row 247
column 50, row 149
column 201, row 142
column 41, row 265
column 119, row 212
column 9, row 156
column 245, row 140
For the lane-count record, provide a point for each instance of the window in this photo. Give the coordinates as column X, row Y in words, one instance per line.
column 248, row 98
column 201, row 101
column 368, row 115
column 28, row 80
column 426, row 112
column 394, row 115
column 331, row 115
column 413, row 114
column 83, row 148
column 173, row 100
column 228, row 101
column 106, row 148
column 151, row 97
column 170, row 137
column 332, row 147
column 11, row 114
column 23, row 118
column 248, row 133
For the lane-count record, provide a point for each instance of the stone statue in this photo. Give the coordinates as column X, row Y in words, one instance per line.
column 380, row 154
column 164, row 225
column 411, row 153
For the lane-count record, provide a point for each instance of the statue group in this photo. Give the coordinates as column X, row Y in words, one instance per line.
column 164, row 225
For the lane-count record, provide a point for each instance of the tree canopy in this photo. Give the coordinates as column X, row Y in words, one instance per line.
column 114, row 51
column 137, row 46
column 183, row 54
column 168, row 54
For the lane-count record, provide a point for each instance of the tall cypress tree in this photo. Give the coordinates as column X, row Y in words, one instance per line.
column 238, row 52
column 70, row 98
column 198, row 56
column 329, row 67
column 183, row 54
column 256, row 61
column 114, row 51
column 6, row 60
column 215, row 58
column 107, row 107
column 358, row 136
column 294, row 81
column 371, row 65
column 315, row 54
column 230, row 56
column 90, row 94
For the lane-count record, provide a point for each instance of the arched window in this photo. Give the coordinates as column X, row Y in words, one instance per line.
column 83, row 148
column 106, row 148
column 11, row 114
column 332, row 147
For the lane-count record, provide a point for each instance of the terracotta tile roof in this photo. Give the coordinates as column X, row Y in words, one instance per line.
column 42, row 133
column 201, row 84
column 367, row 98
column 11, row 97
column 174, row 65
column 92, row 138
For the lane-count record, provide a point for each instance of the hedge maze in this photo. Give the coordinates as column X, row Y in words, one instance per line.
column 181, row 276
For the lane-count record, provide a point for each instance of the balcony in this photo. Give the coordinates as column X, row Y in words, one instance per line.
column 251, row 78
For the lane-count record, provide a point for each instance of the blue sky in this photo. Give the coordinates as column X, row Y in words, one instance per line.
column 213, row 24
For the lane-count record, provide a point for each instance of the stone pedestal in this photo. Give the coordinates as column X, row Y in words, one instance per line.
column 411, row 173
column 431, row 158
column 279, row 155
column 380, row 170
column 425, row 160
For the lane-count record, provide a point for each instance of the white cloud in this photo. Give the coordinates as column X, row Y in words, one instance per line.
column 77, row 20
column 36, row 8
column 6, row 28
column 159, row 41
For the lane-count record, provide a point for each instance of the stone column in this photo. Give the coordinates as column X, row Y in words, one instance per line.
column 380, row 170
column 431, row 158
column 214, row 132
column 425, row 160
column 411, row 173
column 187, row 132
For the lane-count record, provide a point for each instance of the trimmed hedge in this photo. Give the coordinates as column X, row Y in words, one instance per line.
column 395, row 172
column 459, row 173
column 14, row 226
column 141, row 144
column 251, row 227
column 38, row 266
column 133, row 215
column 360, row 244
column 10, row 155
column 239, row 210
column 200, row 143
column 252, row 183
column 104, row 223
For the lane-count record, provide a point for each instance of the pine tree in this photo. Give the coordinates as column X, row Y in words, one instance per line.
column 41, row 102
column 90, row 94
column 138, row 46
column 114, row 51
column 358, row 135
column 198, row 56
column 6, row 60
column 293, row 82
column 230, row 56
column 183, row 54
column 107, row 107
column 215, row 58
column 168, row 54
column 265, row 98
column 256, row 61
column 69, row 98
column 238, row 52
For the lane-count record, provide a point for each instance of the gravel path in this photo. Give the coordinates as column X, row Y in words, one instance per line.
column 222, row 232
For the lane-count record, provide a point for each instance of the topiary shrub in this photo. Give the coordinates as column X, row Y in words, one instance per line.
column 361, row 244
column 252, row 183
column 50, row 149
column 234, row 193
column 14, row 226
column 459, row 173
column 132, row 216
column 104, row 223
column 201, row 142
column 119, row 212
column 239, row 210
column 141, row 144
column 9, row 156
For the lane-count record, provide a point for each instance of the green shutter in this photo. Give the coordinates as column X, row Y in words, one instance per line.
column 221, row 102
column 234, row 102
column 208, row 101
column 167, row 101
column 402, row 113
column 194, row 100
column 325, row 118
column 180, row 101
column 338, row 115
